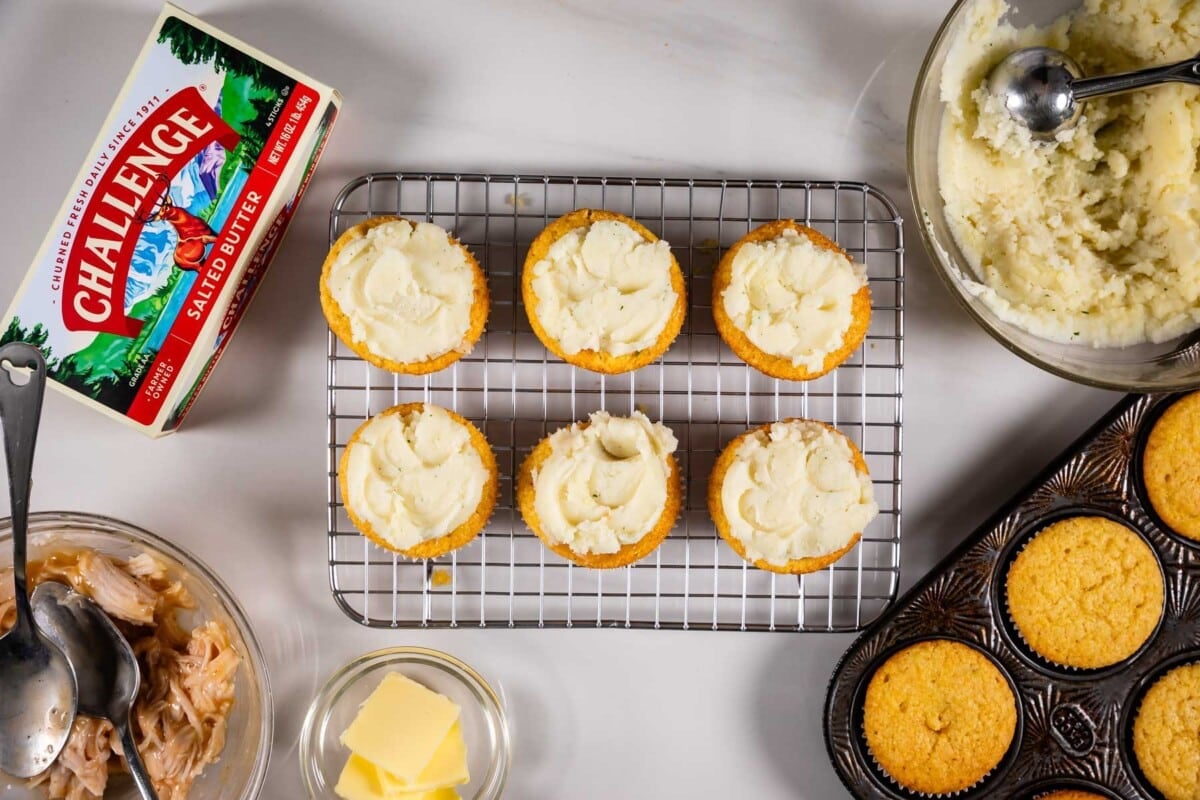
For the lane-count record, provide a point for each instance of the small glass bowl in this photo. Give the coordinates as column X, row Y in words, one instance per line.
column 484, row 725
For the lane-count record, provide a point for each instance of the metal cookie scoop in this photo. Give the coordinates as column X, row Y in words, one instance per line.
column 1044, row 89
column 37, row 685
column 105, row 665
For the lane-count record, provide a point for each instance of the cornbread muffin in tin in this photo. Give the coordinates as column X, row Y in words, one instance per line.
column 1070, row 794
column 1084, row 592
column 404, row 296
column 938, row 717
column 1165, row 738
column 602, row 493
column 602, row 292
column 790, row 302
column 791, row 497
column 418, row 480
column 1171, row 466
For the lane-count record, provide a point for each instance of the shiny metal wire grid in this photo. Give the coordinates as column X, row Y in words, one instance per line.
column 516, row 393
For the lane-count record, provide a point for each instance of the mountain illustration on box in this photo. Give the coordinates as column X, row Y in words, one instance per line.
column 199, row 198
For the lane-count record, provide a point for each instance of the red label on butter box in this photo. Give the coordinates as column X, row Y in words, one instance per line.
column 172, row 222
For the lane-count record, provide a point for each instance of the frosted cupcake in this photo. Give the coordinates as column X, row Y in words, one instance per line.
column 407, row 297
column 790, row 302
column 791, row 497
column 418, row 480
column 602, row 493
column 603, row 292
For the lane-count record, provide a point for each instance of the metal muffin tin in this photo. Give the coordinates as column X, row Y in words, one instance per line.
column 1074, row 727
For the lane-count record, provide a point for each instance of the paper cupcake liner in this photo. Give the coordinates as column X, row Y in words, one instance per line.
column 909, row 792
column 1037, row 658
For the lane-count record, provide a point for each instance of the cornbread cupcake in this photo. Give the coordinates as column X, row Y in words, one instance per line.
column 418, row 480
column 405, row 296
column 1085, row 592
column 1171, row 466
column 790, row 302
column 938, row 717
column 1070, row 794
column 792, row 496
column 1165, row 743
column 602, row 493
column 603, row 292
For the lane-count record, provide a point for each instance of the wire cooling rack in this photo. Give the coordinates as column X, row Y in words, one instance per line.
column 516, row 393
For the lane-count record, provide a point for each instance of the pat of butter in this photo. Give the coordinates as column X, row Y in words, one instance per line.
column 360, row 781
column 448, row 767
column 400, row 727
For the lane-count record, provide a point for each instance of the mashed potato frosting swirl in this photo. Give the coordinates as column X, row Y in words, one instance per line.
column 605, row 484
column 407, row 290
column 792, row 298
column 414, row 477
column 794, row 492
column 603, row 287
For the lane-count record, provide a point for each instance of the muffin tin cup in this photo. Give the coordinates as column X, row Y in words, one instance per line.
column 1043, row 789
column 1130, row 712
column 1139, row 483
column 895, row 790
column 1008, row 627
column 1074, row 725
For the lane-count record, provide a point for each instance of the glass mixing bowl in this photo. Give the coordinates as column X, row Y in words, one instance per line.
column 1171, row 366
column 240, row 772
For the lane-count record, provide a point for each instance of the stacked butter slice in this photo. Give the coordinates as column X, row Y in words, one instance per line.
column 406, row 744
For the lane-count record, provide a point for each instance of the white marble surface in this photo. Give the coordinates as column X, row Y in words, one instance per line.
column 806, row 88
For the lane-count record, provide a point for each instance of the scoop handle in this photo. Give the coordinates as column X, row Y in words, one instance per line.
column 141, row 779
column 20, row 412
column 1102, row 86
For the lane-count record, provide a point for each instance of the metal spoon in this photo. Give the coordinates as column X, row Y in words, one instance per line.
column 104, row 663
column 38, row 697
column 1044, row 89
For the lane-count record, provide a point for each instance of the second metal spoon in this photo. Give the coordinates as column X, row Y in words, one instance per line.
column 105, row 666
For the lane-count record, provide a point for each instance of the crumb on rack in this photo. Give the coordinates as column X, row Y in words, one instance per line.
column 517, row 200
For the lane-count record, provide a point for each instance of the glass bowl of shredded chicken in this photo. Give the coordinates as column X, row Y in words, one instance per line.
column 1081, row 255
column 203, row 718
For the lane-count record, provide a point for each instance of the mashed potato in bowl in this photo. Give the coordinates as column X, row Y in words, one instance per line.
column 1094, row 238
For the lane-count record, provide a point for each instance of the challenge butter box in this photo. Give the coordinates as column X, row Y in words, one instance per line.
column 175, row 216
